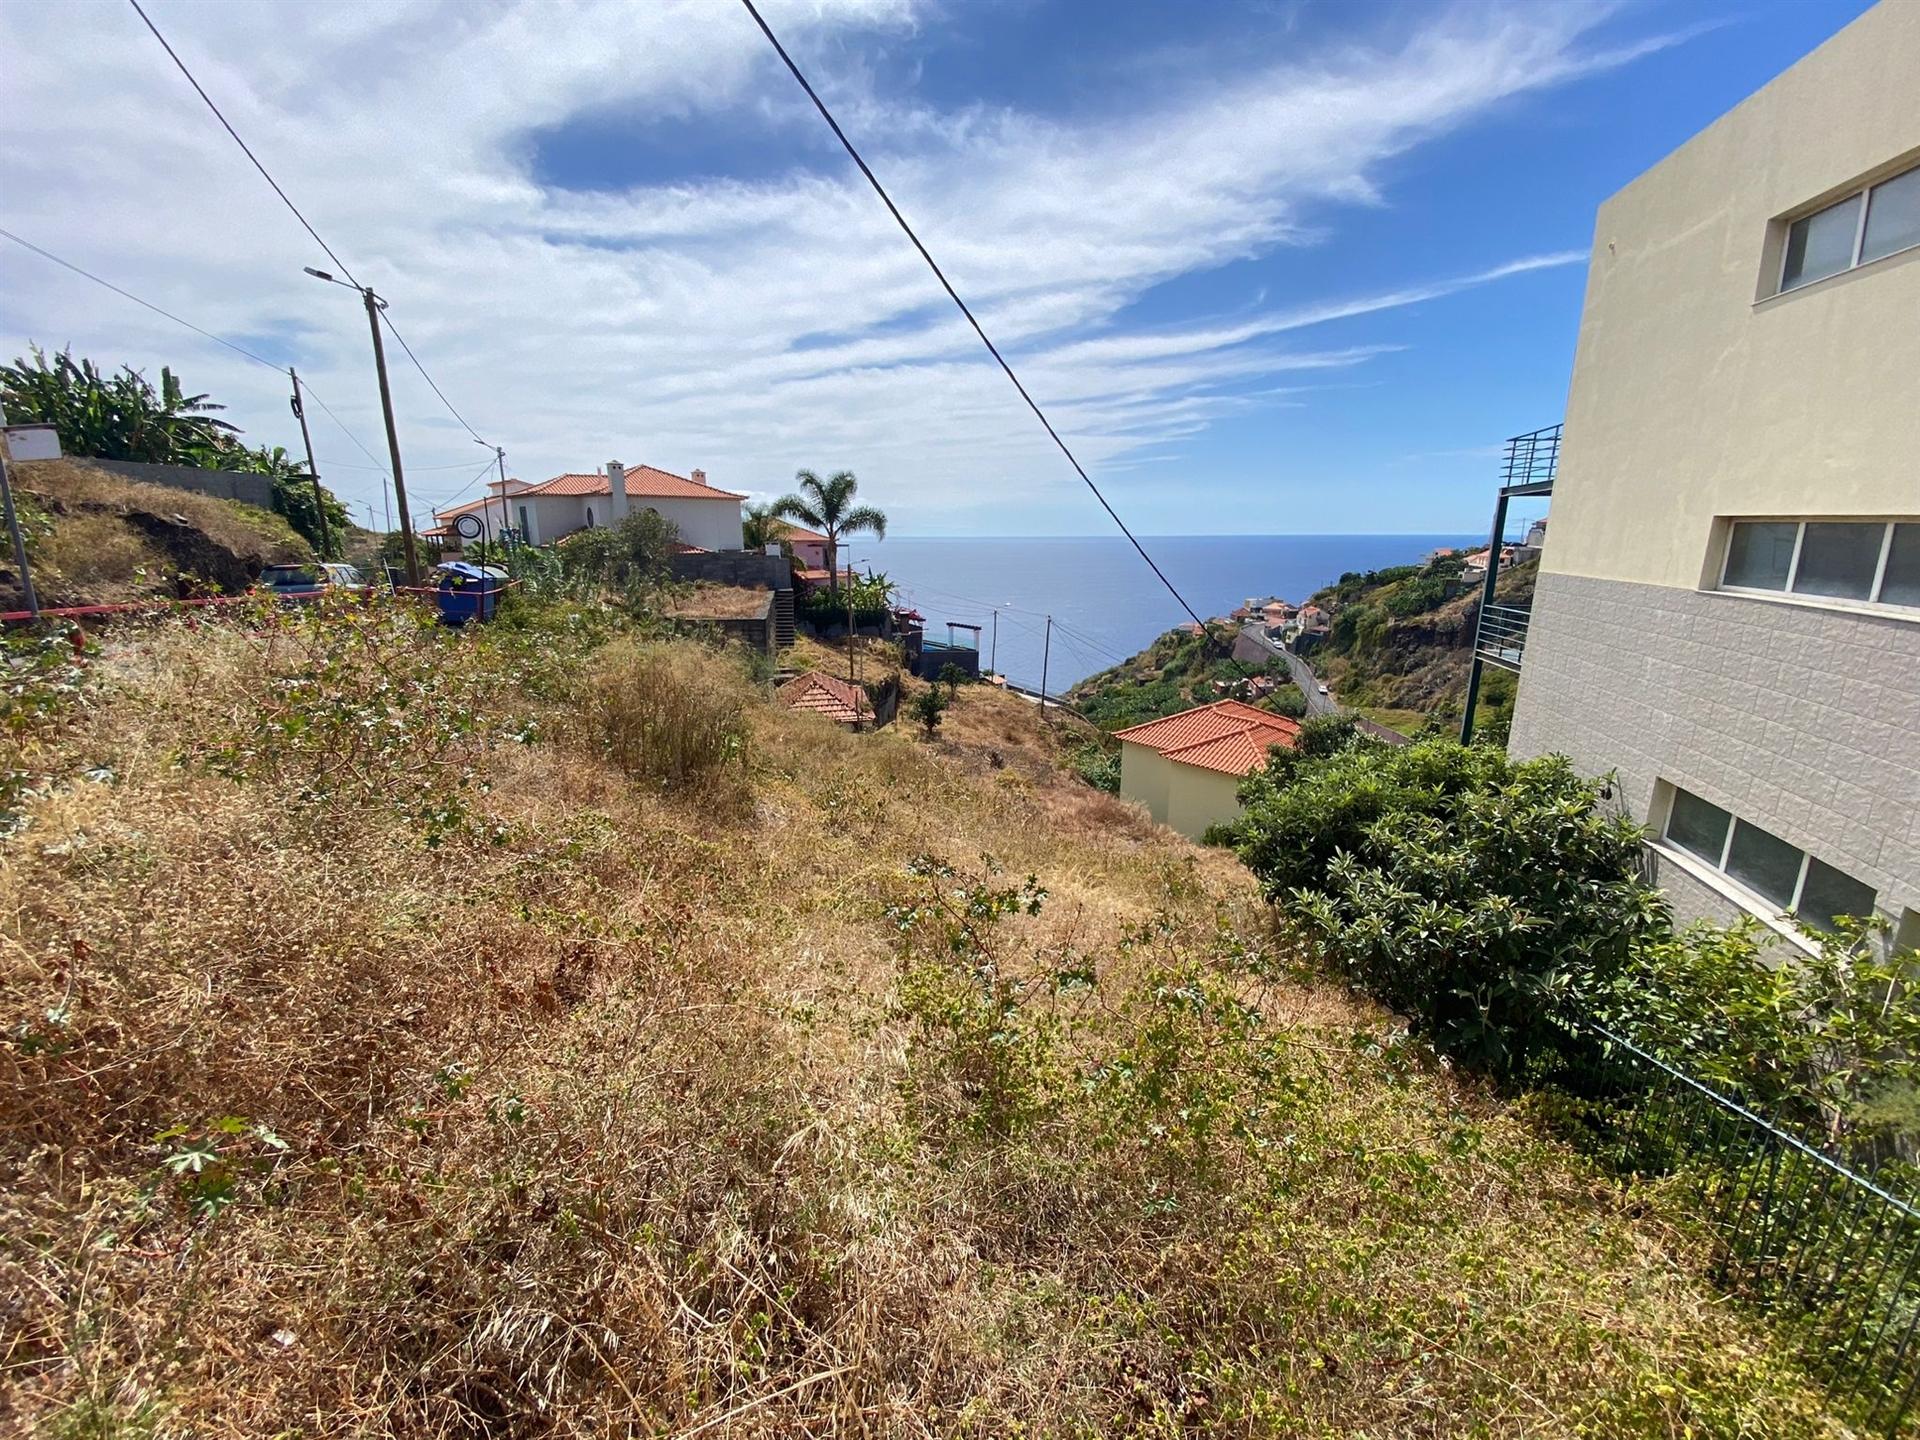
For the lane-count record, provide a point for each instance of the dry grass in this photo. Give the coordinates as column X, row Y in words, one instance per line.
column 612, row 1110
column 93, row 557
column 721, row 602
column 105, row 527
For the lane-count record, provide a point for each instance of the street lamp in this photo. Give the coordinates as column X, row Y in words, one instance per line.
column 374, row 306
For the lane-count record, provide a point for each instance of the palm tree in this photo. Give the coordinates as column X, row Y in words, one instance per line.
column 760, row 527
column 824, row 505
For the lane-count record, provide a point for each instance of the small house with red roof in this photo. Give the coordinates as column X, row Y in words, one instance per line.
column 818, row 693
column 1187, row 768
column 706, row 517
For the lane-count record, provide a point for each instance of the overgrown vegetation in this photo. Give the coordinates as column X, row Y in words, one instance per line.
column 863, row 599
column 1401, row 640
column 1176, row 672
column 125, row 417
column 917, row 1088
column 1501, row 904
column 94, row 537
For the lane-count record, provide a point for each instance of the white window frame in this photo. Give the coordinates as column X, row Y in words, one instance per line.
column 1801, row 597
column 1756, row 901
column 1864, row 194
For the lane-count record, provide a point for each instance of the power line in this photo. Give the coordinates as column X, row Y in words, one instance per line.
column 240, row 350
column 129, row 295
column 241, row 143
column 428, row 378
column 288, row 202
column 954, row 295
column 411, row 469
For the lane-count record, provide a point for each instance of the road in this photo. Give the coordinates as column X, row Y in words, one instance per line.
column 1303, row 676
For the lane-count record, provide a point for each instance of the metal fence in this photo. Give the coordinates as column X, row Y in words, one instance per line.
column 1830, row 1253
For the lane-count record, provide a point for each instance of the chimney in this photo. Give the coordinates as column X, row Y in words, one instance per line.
column 616, row 492
column 699, row 477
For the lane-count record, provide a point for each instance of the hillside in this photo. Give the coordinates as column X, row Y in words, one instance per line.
column 96, row 538
column 1401, row 640
column 1179, row 670
column 535, row 1031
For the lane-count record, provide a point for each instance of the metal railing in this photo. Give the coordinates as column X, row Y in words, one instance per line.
column 1501, row 635
column 1833, row 1256
column 1532, row 459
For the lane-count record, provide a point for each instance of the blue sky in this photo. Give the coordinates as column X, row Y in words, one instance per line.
column 1274, row 265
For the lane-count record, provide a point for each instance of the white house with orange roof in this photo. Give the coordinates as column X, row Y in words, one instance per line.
column 706, row 517
column 1187, row 768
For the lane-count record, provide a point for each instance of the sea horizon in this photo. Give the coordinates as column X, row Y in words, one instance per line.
column 1106, row 604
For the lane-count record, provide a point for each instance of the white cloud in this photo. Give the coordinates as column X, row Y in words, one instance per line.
column 660, row 323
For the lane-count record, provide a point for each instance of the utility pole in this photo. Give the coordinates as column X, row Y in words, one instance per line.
column 1046, row 651
column 313, row 471
column 393, row 436
column 13, row 526
column 993, row 658
column 500, row 454
column 850, row 679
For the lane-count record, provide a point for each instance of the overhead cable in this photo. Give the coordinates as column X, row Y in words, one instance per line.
column 954, row 295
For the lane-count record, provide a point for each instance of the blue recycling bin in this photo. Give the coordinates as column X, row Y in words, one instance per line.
column 468, row 592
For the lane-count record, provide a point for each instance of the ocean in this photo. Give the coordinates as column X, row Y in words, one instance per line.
column 1105, row 602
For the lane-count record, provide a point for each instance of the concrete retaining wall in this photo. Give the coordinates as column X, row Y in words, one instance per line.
column 747, row 568
column 225, row 484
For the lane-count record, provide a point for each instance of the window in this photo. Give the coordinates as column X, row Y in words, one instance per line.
column 1869, row 224
column 1781, row 874
column 526, row 530
column 1876, row 561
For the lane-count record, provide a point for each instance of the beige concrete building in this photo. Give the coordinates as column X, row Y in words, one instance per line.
column 1728, row 612
column 1187, row 768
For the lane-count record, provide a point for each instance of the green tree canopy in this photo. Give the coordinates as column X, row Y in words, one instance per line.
column 827, row 506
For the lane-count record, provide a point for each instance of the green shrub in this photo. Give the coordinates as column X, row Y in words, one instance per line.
column 928, row 708
column 1099, row 767
column 1473, row 894
column 868, row 600
column 1829, row 1043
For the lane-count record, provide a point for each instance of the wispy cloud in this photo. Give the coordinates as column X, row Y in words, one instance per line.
column 746, row 326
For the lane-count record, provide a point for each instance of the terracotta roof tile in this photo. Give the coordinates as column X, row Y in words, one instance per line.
column 1228, row 735
column 824, row 695
column 643, row 480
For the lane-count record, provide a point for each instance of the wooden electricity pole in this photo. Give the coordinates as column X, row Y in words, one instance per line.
column 313, row 471
column 393, row 436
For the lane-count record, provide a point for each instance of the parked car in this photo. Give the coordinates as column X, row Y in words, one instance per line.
column 1323, row 689
column 300, row 583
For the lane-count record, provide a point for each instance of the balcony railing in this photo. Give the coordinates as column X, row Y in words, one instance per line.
column 1532, row 459
column 1501, row 638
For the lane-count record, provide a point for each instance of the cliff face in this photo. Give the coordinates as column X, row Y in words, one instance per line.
column 1403, row 638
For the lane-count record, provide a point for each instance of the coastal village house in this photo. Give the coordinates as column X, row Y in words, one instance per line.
column 1187, row 768
column 705, row 517
column 1728, row 609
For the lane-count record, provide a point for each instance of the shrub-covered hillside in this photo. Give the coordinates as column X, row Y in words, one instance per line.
column 1402, row 638
column 1179, row 670
column 534, row 1031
